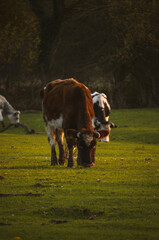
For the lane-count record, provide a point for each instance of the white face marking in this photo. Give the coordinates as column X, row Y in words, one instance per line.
column 14, row 118
column 56, row 123
column 87, row 138
column 106, row 139
column 107, row 127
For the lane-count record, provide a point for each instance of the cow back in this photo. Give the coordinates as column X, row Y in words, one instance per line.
column 71, row 99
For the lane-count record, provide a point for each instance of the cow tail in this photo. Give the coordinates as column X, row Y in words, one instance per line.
column 42, row 93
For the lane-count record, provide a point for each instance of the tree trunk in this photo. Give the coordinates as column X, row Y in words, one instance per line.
column 119, row 76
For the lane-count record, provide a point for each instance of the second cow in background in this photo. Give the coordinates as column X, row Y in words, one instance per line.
column 9, row 111
column 102, row 111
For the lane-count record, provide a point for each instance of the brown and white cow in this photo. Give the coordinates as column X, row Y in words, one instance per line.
column 68, row 110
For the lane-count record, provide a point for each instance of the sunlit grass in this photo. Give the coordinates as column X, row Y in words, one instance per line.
column 117, row 199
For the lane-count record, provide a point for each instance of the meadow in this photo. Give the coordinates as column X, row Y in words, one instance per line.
column 118, row 199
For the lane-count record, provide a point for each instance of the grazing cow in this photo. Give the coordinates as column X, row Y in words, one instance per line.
column 68, row 110
column 7, row 109
column 102, row 111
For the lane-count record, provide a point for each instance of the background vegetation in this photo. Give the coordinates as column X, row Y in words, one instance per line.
column 117, row 199
column 111, row 46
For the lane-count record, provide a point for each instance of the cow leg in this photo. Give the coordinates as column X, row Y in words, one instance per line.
column 93, row 157
column 3, row 125
column 107, row 137
column 79, row 162
column 51, row 131
column 71, row 163
column 59, row 139
column 53, row 156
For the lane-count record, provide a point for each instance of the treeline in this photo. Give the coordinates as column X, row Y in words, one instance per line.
column 110, row 45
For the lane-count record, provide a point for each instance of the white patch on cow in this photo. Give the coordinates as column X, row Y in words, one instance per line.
column 1, row 117
column 51, row 135
column 57, row 123
column 51, row 129
column 87, row 139
column 97, row 98
column 95, row 122
column 101, row 98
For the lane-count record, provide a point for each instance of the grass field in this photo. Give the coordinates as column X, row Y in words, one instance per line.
column 118, row 199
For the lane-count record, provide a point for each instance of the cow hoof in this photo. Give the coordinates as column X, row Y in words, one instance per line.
column 71, row 166
column 92, row 164
column 61, row 162
column 89, row 165
column 54, row 164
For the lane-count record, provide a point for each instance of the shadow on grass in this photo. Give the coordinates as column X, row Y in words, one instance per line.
column 73, row 212
column 45, row 167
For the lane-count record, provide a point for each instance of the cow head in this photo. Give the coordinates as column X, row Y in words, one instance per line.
column 14, row 117
column 86, row 144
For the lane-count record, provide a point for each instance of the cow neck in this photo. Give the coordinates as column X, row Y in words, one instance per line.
column 85, row 121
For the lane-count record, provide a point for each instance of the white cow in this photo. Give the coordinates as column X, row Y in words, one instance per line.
column 9, row 111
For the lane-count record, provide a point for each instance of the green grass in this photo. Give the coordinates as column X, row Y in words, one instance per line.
column 118, row 199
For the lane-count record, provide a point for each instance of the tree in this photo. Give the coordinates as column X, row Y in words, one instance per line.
column 50, row 15
column 135, row 40
column 19, row 38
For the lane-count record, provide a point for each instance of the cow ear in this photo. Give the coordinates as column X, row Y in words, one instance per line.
column 83, row 131
column 17, row 113
column 96, row 134
column 112, row 125
column 71, row 133
column 103, row 133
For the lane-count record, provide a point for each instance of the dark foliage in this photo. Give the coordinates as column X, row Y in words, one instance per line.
column 111, row 46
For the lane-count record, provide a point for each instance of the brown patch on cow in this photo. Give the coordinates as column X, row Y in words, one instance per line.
column 65, row 91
